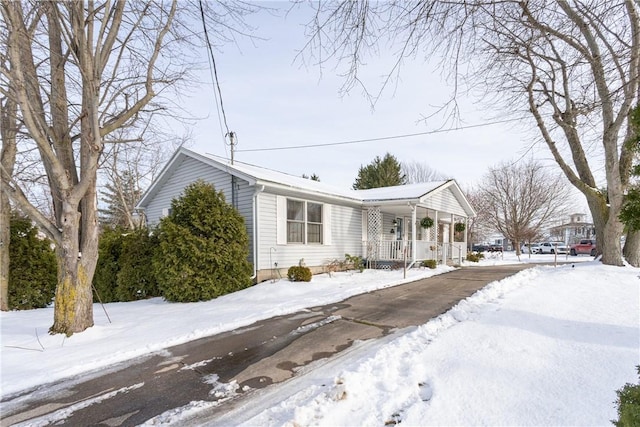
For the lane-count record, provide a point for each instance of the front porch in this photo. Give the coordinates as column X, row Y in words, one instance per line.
column 386, row 251
column 394, row 234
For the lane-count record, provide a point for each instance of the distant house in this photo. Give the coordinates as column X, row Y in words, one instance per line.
column 576, row 229
column 289, row 218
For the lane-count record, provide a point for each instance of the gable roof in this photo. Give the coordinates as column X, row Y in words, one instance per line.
column 255, row 175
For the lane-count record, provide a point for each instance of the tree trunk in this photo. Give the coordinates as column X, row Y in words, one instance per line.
column 74, row 302
column 5, row 237
column 608, row 230
column 631, row 250
column 8, row 130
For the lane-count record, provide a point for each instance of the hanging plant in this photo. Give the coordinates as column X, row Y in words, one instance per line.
column 459, row 227
column 426, row 222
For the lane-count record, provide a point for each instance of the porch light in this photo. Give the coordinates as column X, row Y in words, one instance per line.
column 395, row 222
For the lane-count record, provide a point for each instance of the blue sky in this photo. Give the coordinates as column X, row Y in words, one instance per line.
column 272, row 100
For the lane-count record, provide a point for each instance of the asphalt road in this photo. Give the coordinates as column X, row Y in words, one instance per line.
column 255, row 357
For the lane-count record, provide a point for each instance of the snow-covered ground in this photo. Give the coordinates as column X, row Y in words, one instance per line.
column 548, row 346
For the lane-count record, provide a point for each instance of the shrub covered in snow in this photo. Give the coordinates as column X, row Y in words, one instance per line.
column 203, row 247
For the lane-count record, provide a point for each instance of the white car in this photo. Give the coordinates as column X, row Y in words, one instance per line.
column 532, row 248
column 552, row 248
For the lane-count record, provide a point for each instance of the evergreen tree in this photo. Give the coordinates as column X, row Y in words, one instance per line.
column 108, row 266
column 136, row 278
column 121, row 196
column 385, row 172
column 32, row 266
column 203, row 247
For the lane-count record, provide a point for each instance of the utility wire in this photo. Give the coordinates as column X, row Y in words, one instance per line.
column 215, row 70
column 383, row 138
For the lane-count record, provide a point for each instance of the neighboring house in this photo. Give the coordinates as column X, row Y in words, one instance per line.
column 291, row 218
column 575, row 230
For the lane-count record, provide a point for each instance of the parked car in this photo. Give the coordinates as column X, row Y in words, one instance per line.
column 552, row 248
column 585, row 246
column 533, row 248
column 495, row 248
column 479, row 248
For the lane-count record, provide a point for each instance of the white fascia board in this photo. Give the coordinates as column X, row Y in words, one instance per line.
column 279, row 188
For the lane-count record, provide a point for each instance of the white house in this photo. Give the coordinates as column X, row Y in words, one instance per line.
column 290, row 218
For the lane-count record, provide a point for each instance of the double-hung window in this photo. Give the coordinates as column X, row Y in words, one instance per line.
column 304, row 222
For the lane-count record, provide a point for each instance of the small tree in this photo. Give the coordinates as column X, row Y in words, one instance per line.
column 385, row 172
column 521, row 199
column 203, row 247
column 417, row 172
column 32, row 267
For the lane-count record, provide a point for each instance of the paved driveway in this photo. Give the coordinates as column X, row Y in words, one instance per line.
column 256, row 356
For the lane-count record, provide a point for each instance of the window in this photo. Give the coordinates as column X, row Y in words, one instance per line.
column 304, row 222
column 314, row 223
column 295, row 221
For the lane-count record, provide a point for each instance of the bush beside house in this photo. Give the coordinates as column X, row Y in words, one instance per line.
column 203, row 247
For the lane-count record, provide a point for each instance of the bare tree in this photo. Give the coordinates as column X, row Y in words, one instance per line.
column 572, row 67
column 417, row 172
column 78, row 72
column 8, row 128
column 521, row 199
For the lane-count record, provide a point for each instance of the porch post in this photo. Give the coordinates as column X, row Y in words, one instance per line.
column 413, row 234
column 435, row 224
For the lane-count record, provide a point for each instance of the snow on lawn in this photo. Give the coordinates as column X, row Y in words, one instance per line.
column 31, row 357
column 548, row 346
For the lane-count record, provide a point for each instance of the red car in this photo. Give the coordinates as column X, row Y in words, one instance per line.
column 585, row 246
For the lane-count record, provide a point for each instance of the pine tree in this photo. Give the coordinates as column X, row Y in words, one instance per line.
column 121, row 197
column 385, row 172
column 32, row 267
column 203, row 247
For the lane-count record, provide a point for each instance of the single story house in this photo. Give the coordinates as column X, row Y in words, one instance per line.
column 290, row 218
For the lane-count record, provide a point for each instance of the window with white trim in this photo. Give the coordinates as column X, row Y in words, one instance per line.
column 304, row 222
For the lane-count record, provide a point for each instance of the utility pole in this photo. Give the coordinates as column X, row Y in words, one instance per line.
column 232, row 143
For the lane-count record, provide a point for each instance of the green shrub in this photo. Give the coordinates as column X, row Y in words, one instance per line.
column 299, row 274
column 108, row 266
column 354, row 261
column 475, row 256
column 431, row 263
column 32, row 267
column 136, row 278
column 628, row 405
column 203, row 247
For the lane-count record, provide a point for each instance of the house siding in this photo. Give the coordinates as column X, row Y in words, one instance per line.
column 190, row 170
column 445, row 201
column 346, row 237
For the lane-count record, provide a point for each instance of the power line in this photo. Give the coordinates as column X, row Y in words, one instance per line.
column 383, row 138
column 215, row 70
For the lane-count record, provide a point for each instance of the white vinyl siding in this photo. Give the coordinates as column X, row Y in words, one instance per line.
column 445, row 201
column 190, row 170
column 342, row 234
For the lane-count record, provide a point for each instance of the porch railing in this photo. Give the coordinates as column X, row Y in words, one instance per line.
column 399, row 250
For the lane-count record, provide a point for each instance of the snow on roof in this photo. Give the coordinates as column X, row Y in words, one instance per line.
column 272, row 176
column 402, row 192
column 399, row 192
